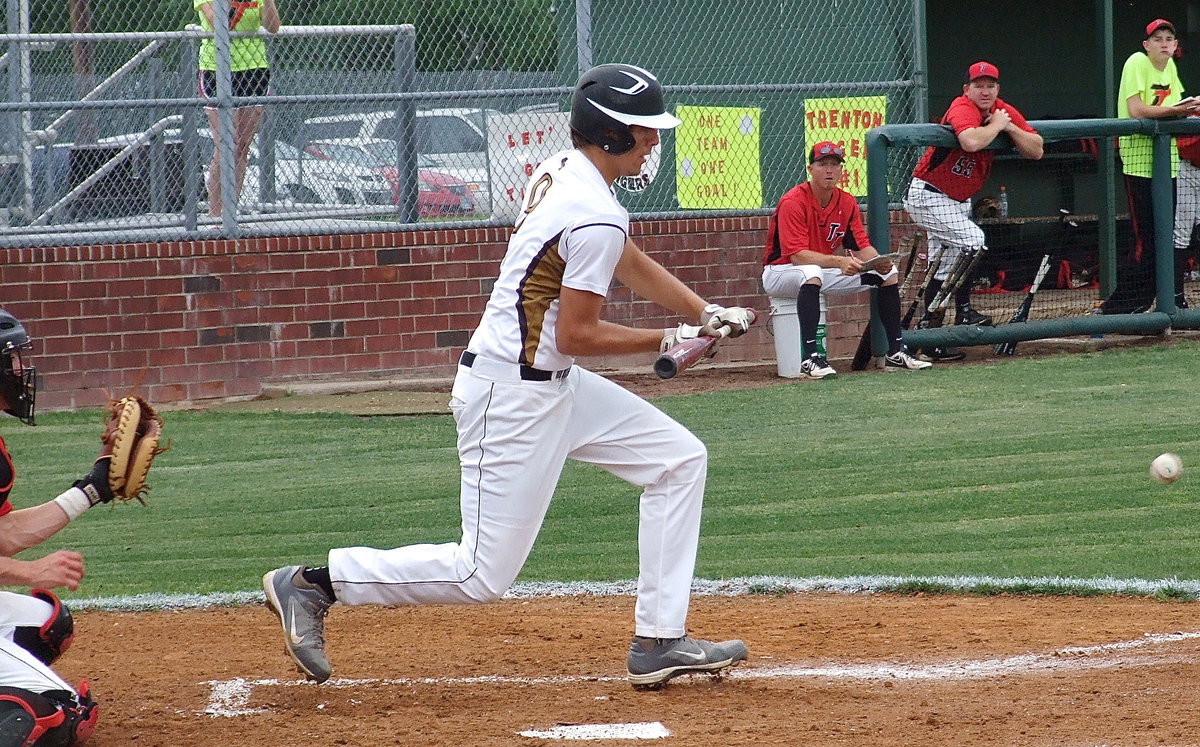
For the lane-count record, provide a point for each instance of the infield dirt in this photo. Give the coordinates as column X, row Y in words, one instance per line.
column 824, row 670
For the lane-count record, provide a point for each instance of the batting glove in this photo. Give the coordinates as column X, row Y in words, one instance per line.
column 684, row 332
column 95, row 484
column 737, row 318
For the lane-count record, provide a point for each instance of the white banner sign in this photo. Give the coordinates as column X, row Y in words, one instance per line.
column 517, row 143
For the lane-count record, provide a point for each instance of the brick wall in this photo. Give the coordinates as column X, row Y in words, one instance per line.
column 196, row 320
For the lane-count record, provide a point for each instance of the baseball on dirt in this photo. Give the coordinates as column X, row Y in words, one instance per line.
column 1166, row 468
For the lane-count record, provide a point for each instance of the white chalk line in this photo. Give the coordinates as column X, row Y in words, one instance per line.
column 1178, row 588
column 230, row 698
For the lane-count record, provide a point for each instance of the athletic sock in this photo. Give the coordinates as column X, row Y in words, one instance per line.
column 319, row 577
column 962, row 297
column 931, row 291
column 808, row 308
column 889, row 314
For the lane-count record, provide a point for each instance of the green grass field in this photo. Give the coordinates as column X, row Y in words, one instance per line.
column 1028, row 467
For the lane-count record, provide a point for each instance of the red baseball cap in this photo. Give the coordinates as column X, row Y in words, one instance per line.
column 1157, row 24
column 826, row 149
column 983, row 70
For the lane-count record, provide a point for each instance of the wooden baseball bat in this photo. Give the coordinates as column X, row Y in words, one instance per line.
column 930, row 271
column 680, row 357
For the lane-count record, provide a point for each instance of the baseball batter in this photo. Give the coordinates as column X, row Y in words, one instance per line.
column 812, row 223
column 36, row 706
column 523, row 407
column 945, row 180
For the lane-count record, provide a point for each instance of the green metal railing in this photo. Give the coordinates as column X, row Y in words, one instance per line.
column 882, row 140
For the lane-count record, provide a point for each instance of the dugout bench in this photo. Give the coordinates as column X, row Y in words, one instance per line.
column 1016, row 246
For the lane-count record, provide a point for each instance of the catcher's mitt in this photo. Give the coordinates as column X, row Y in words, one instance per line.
column 131, row 440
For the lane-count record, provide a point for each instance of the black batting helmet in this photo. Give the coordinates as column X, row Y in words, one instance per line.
column 18, row 383
column 610, row 98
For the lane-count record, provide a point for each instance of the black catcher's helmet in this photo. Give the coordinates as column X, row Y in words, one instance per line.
column 610, row 98
column 18, row 383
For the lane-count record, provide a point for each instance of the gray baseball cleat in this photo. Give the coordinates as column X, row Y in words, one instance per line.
column 672, row 657
column 301, row 608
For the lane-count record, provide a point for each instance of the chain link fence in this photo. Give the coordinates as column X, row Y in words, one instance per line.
column 406, row 113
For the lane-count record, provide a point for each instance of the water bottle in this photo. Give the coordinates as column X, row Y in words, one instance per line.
column 1003, row 202
column 821, row 330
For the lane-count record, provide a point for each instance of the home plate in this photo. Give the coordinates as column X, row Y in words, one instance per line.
column 649, row 730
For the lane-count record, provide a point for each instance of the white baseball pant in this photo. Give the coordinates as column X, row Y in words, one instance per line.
column 514, row 437
column 1187, row 202
column 18, row 667
column 947, row 222
column 784, row 281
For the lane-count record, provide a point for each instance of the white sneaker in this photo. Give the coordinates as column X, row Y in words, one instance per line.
column 816, row 367
column 902, row 361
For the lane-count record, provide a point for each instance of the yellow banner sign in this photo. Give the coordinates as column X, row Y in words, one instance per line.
column 845, row 121
column 717, row 157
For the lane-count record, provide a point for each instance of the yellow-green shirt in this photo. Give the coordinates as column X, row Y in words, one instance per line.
column 1154, row 87
column 245, row 54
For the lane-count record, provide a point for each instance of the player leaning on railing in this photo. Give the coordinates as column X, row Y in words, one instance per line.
column 945, row 180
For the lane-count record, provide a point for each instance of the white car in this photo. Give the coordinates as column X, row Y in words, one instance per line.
column 348, row 174
column 438, row 193
column 305, row 179
column 300, row 178
column 453, row 139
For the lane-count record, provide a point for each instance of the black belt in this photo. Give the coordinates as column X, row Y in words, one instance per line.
column 930, row 188
column 528, row 373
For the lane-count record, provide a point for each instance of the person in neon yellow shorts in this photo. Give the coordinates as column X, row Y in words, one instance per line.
column 251, row 77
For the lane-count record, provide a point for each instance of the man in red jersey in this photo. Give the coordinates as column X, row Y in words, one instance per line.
column 812, row 222
column 945, row 180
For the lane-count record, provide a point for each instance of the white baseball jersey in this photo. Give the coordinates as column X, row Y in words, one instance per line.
column 572, row 233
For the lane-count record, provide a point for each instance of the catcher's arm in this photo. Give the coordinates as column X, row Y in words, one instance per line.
column 28, row 527
column 59, row 568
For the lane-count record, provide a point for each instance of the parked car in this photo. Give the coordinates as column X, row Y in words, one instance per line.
column 455, row 139
column 438, row 193
column 340, row 175
column 299, row 178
